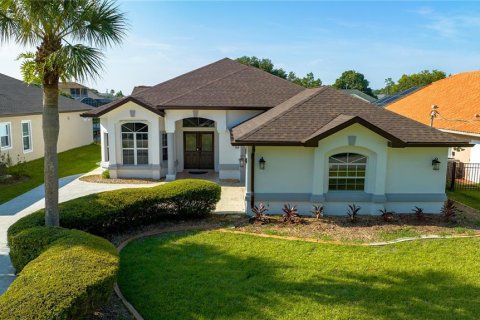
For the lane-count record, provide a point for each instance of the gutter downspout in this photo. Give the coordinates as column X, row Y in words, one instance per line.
column 252, row 178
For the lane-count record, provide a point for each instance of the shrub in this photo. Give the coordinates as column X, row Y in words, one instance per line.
column 64, row 273
column 387, row 215
column 449, row 210
column 106, row 174
column 352, row 212
column 114, row 211
column 317, row 210
column 290, row 214
column 419, row 213
column 71, row 273
column 259, row 212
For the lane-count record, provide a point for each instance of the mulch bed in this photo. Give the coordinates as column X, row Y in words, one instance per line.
column 97, row 178
column 371, row 228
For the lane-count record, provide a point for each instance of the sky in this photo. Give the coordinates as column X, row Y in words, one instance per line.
column 379, row 39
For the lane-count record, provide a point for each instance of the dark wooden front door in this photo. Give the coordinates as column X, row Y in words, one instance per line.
column 198, row 150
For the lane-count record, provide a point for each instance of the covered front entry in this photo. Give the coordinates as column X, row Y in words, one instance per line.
column 198, row 150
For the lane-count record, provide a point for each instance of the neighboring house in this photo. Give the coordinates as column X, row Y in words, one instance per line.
column 457, row 99
column 78, row 91
column 360, row 95
column 284, row 142
column 387, row 99
column 21, row 133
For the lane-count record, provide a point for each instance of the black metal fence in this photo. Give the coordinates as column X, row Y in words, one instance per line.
column 463, row 176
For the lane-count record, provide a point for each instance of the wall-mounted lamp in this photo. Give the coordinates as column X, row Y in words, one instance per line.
column 261, row 163
column 436, row 164
column 132, row 113
column 242, row 161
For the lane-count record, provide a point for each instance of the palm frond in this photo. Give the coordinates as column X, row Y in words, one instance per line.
column 101, row 24
column 78, row 62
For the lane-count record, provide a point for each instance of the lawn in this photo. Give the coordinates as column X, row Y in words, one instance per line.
column 469, row 197
column 214, row 275
column 74, row 161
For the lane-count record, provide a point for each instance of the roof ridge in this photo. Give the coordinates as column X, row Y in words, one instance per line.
column 184, row 74
column 202, row 86
column 289, row 109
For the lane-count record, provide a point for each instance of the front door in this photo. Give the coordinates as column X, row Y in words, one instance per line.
column 198, row 150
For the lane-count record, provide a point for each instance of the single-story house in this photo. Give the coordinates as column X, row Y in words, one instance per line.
column 284, row 142
column 457, row 102
column 21, row 133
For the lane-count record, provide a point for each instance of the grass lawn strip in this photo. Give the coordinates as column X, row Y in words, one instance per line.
column 71, row 162
column 206, row 275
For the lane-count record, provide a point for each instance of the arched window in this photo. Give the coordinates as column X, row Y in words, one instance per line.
column 198, row 122
column 346, row 171
column 135, row 143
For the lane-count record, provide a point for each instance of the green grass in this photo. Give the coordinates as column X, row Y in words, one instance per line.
column 397, row 234
column 75, row 161
column 469, row 197
column 214, row 275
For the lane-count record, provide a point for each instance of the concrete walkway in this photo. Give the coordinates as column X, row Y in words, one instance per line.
column 70, row 188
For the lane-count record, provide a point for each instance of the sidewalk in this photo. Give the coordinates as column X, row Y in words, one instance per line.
column 70, row 188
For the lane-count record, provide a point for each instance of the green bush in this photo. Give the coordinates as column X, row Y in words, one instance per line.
column 113, row 211
column 71, row 273
column 106, row 174
column 68, row 273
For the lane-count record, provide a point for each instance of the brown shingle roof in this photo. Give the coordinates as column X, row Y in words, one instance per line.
column 225, row 84
column 317, row 113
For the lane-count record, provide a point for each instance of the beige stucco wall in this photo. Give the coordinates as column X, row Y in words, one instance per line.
column 75, row 131
column 396, row 179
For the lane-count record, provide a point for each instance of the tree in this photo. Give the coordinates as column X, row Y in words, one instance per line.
column 263, row 64
column 352, row 79
column 267, row 65
column 308, row 81
column 119, row 94
column 389, row 86
column 68, row 36
column 420, row 79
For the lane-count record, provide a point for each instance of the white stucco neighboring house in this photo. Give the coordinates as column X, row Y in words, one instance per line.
column 284, row 142
column 21, row 135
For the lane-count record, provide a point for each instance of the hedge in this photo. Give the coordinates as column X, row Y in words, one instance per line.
column 113, row 211
column 69, row 273
column 72, row 273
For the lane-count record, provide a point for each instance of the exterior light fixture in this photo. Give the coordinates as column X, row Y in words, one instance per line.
column 436, row 164
column 242, row 161
column 261, row 163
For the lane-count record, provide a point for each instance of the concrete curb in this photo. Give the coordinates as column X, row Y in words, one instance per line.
column 372, row 244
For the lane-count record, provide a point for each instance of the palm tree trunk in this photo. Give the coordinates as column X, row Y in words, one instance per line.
column 50, row 137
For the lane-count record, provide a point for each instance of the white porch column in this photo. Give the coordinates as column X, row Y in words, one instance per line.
column 171, row 174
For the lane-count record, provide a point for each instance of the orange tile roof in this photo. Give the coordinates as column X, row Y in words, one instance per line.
column 457, row 98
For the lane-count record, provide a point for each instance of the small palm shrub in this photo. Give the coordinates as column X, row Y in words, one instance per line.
column 260, row 213
column 419, row 213
column 387, row 215
column 449, row 210
column 290, row 214
column 317, row 210
column 352, row 212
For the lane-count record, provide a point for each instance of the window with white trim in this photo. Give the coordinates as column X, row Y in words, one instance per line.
column 5, row 135
column 164, row 147
column 346, row 171
column 27, row 136
column 135, row 143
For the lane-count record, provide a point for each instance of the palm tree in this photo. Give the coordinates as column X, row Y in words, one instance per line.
column 68, row 36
